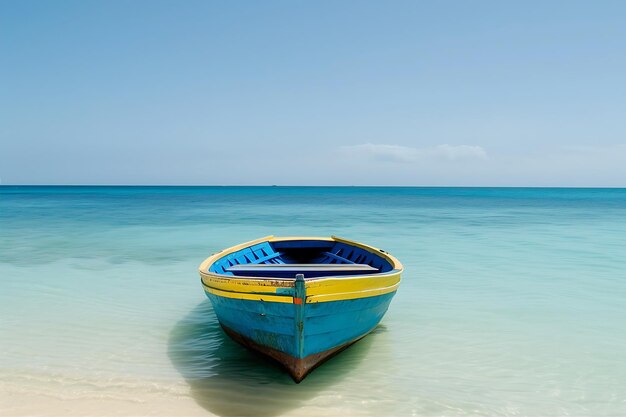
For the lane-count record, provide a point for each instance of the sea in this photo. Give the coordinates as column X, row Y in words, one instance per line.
column 512, row 302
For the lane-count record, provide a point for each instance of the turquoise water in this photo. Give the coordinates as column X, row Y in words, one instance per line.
column 513, row 301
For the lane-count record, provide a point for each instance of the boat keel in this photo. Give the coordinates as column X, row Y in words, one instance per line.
column 298, row 368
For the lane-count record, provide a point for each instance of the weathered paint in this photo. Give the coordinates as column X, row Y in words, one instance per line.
column 298, row 368
column 267, row 323
column 299, row 310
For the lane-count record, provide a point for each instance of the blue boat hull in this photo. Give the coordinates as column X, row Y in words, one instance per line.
column 300, row 300
column 300, row 336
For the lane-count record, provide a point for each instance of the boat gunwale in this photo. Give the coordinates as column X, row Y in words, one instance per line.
column 206, row 264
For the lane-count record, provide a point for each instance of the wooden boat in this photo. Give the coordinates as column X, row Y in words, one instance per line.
column 300, row 300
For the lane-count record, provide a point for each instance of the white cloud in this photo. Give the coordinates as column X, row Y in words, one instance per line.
column 407, row 154
column 460, row 152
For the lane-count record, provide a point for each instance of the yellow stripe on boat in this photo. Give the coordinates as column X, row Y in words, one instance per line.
column 248, row 285
column 332, row 285
column 337, row 289
column 351, row 295
column 247, row 296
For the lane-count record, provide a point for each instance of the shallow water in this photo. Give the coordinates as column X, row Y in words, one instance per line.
column 513, row 301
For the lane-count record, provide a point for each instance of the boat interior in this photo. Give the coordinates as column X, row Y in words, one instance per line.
column 312, row 258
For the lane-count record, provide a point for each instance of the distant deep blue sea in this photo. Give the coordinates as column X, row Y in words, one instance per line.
column 513, row 301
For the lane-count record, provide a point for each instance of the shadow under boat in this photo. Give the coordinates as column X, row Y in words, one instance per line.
column 230, row 380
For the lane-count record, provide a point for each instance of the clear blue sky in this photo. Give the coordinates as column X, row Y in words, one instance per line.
column 313, row 92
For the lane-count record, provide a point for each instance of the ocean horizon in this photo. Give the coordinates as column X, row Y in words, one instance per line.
column 511, row 302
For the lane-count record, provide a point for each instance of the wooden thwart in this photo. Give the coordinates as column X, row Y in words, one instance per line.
column 301, row 268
